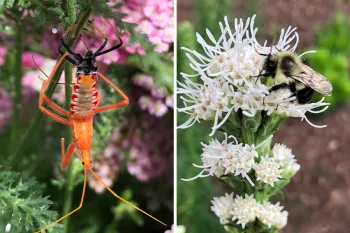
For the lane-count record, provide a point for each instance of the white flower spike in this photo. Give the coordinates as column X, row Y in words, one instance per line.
column 227, row 72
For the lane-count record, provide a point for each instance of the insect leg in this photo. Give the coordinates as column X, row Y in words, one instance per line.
column 98, row 51
column 68, row 58
column 67, row 155
column 111, row 49
column 43, row 98
column 122, row 103
column 122, row 199
column 70, row 213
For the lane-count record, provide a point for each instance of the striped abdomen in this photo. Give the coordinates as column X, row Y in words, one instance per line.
column 85, row 95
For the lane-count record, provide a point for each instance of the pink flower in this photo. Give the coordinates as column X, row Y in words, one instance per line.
column 135, row 48
column 154, row 19
column 162, row 47
column 158, row 109
column 31, row 79
column 109, row 58
column 169, row 101
column 146, row 27
column 106, row 27
column 3, row 52
column 6, row 108
column 143, row 80
column 145, row 102
column 27, row 60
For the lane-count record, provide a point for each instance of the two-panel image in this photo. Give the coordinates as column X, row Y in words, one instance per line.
column 174, row 116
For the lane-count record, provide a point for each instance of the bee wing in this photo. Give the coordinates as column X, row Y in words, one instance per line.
column 314, row 80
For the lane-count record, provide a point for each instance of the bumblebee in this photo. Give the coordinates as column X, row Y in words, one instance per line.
column 290, row 72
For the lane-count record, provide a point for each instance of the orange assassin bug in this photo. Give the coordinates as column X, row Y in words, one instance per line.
column 84, row 105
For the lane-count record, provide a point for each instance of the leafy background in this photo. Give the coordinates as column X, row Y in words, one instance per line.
column 317, row 197
column 132, row 146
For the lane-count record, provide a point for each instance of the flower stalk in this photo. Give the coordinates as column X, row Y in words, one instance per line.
column 19, row 42
column 67, row 206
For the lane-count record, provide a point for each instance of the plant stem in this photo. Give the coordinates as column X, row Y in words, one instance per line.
column 248, row 136
column 82, row 18
column 18, row 80
column 70, row 174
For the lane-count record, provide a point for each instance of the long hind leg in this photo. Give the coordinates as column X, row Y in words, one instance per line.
column 70, row 213
column 122, row 199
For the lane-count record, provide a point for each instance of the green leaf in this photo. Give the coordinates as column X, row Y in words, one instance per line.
column 23, row 205
column 9, row 3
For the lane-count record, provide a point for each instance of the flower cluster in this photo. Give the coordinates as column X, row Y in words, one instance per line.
column 153, row 100
column 154, row 18
column 3, row 52
column 222, row 158
column 229, row 73
column 143, row 143
column 246, row 210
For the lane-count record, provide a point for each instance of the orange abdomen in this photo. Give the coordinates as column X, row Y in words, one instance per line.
column 82, row 127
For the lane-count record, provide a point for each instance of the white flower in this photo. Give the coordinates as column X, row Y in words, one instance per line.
column 280, row 103
column 268, row 170
column 211, row 158
column 228, row 71
column 228, row 157
column 222, row 207
column 284, row 156
column 245, row 210
column 272, row 215
column 204, row 101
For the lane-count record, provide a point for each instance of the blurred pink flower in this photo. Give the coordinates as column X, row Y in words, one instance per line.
column 144, row 102
column 31, row 79
column 3, row 52
column 154, row 18
column 158, row 109
column 6, row 108
column 144, row 143
column 155, row 101
column 143, row 80
column 27, row 60
column 135, row 48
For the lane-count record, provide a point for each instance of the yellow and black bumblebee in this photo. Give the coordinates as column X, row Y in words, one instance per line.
column 290, row 72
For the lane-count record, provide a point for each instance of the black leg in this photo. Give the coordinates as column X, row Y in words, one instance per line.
column 68, row 58
column 102, row 46
column 65, row 45
column 111, row 49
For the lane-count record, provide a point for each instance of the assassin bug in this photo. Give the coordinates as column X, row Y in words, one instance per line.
column 84, row 105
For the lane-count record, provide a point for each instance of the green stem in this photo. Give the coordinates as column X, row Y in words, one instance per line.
column 248, row 136
column 67, row 206
column 19, row 44
column 82, row 18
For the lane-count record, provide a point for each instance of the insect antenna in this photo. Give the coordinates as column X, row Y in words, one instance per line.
column 39, row 67
column 82, row 39
column 43, row 72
